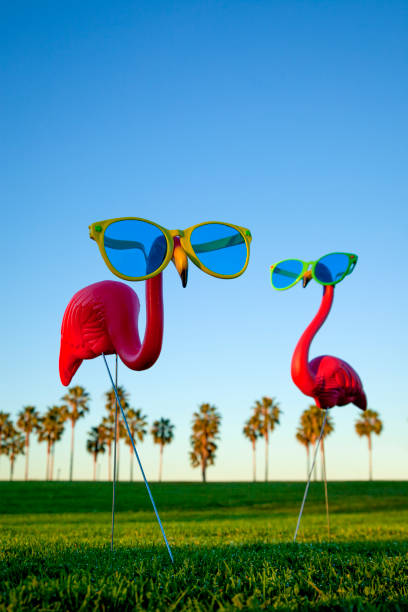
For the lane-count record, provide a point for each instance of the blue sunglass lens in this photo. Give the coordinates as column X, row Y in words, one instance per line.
column 286, row 272
column 220, row 248
column 135, row 248
column 331, row 268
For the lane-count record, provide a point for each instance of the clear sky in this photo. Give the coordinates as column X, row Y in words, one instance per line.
column 289, row 118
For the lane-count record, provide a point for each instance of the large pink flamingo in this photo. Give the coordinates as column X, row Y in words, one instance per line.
column 103, row 319
column 329, row 380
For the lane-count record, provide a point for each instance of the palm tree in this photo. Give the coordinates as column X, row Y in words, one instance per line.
column 52, row 426
column 108, row 428
column 28, row 421
column 162, row 432
column 4, row 429
column 251, row 431
column 206, row 423
column 110, row 405
column 368, row 424
column 77, row 399
column 14, row 446
column 328, row 429
column 137, row 424
column 267, row 411
column 95, row 444
column 311, row 423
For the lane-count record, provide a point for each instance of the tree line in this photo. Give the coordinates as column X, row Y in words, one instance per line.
column 265, row 416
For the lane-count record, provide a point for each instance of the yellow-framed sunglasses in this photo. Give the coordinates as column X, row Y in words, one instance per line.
column 137, row 249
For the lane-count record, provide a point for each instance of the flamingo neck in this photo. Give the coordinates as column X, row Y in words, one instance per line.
column 141, row 356
column 302, row 374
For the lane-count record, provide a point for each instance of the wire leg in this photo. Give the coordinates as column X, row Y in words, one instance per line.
column 114, row 456
column 326, row 494
column 138, row 460
column 310, row 475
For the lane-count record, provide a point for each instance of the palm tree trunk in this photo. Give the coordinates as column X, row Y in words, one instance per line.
column 94, row 467
column 27, row 441
column 307, row 461
column 11, row 468
column 253, row 461
column 203, row 470
column 266, row 456
column 52, row 461
column 321, row 461
column 161, row 462
column 48, row 462
column 370, row 459
column 71, row 463
column 131, row 463
column 314, row 470
column 117, row 459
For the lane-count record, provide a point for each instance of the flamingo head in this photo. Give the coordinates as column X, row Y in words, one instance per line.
column 307, row 277
column 179, row 258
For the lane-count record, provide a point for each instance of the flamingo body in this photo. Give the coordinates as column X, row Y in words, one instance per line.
column 329, row 380
column 337, row 383
column 103, row 318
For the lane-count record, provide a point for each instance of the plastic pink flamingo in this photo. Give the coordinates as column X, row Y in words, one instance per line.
column 103, row 319
column 329, row 380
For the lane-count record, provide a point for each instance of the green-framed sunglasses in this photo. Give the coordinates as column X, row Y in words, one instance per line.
column 328, row 270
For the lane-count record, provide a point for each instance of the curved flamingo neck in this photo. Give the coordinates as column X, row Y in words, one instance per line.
column 133, row 353
column 302, row 375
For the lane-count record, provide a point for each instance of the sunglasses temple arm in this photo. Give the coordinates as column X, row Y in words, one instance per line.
column 122, row 245
column 221, row 243
column 285, row 273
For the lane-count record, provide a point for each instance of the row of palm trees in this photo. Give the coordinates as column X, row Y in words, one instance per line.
column 15, row 439
column 265, row 416
column 102, row 436
column 266, row 413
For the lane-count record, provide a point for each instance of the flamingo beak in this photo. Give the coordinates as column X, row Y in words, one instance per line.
column 180, row 260
column 307, row 277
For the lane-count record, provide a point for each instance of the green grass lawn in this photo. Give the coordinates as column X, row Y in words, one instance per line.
column 232, row 544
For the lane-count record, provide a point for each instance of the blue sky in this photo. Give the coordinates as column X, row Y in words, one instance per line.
column 288, row 118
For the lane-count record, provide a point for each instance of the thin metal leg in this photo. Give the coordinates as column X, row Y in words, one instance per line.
column 326, row 494
column 114, row 456
column 310, row 475
column 138, row 460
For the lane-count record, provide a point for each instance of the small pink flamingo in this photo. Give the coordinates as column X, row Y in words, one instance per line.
column 329, row 380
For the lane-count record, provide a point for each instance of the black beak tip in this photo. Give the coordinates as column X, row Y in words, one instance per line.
column 184, row 278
